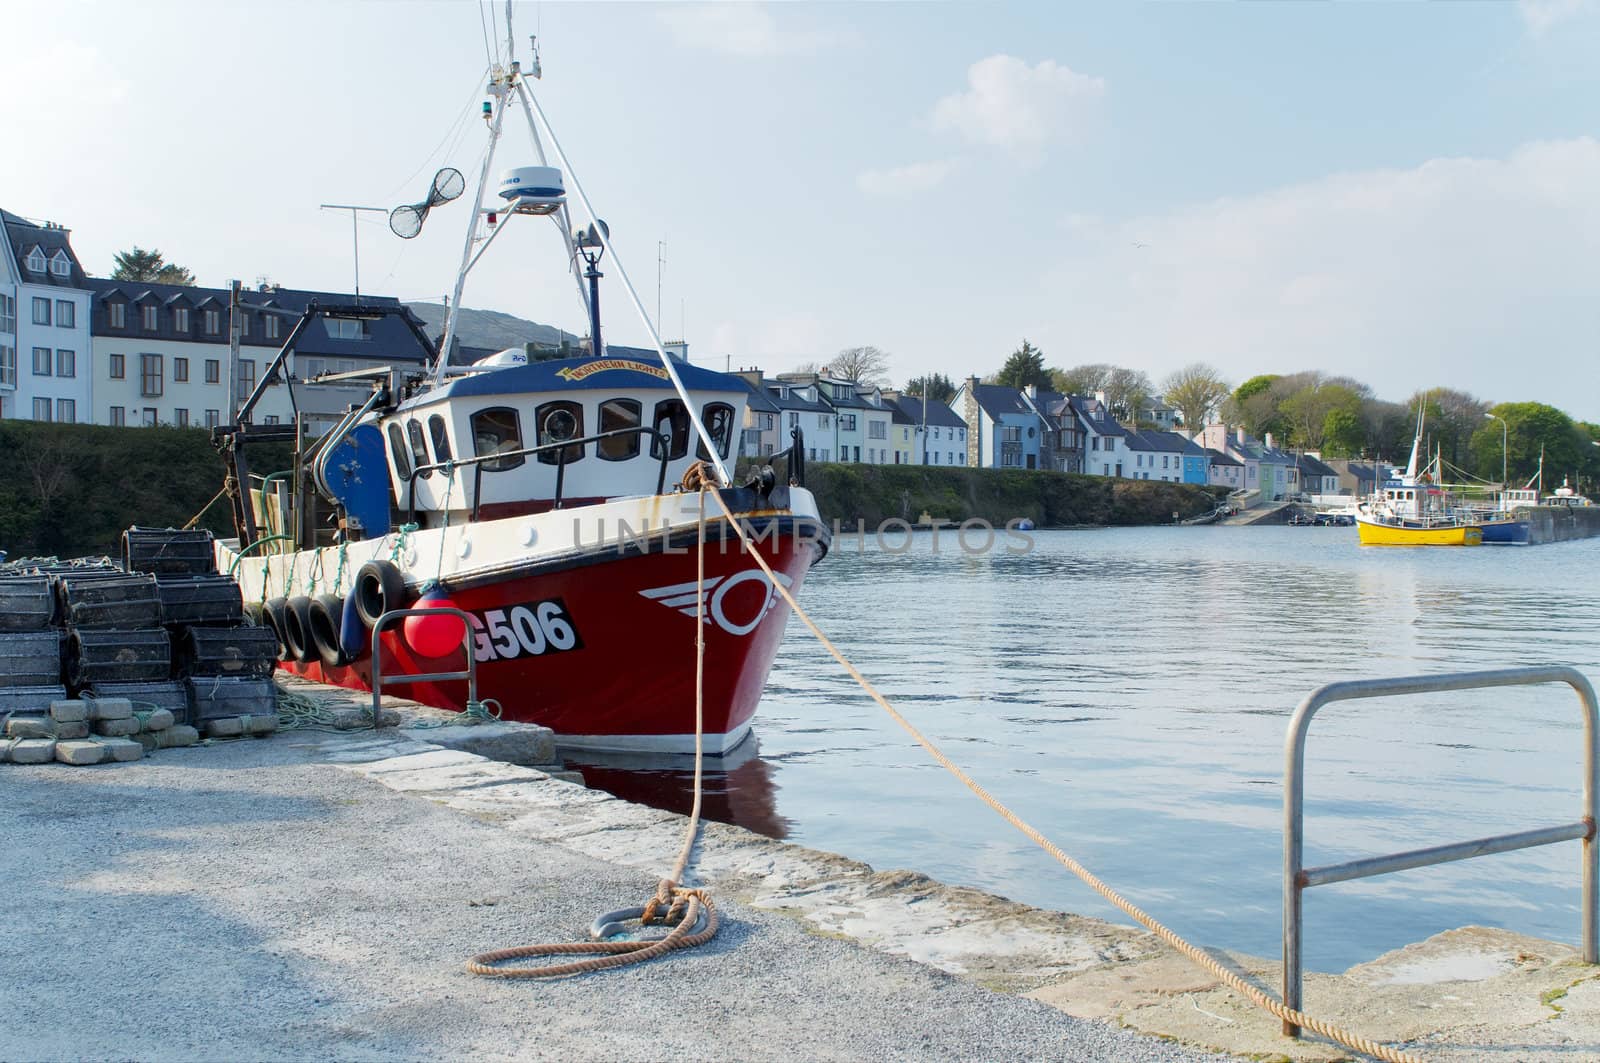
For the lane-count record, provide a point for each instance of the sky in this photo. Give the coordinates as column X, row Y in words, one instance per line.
column 1408, row 194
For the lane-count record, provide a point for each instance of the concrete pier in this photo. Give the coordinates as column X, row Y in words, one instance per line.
column 1558, row 524
column 316, row 893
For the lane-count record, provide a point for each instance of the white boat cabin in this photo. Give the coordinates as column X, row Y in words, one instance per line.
column 488, row 443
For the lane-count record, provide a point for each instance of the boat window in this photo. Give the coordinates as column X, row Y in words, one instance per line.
column 495, row 431
column 398, row 451
column 718, row 419
column 559, row 421
column 419, row 449
column 441, row 440
column 672, row 421
column 615, row 414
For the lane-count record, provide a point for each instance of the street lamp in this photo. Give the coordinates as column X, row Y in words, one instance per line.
column 1505, row 440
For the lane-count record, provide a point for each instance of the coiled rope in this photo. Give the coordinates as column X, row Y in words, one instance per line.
column 684, row 906
column 1165, row 933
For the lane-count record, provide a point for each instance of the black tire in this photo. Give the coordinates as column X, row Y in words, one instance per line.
column 274, row 615
column 325, row 615
column 254, row 615
column 297, row 629
column 378, row 588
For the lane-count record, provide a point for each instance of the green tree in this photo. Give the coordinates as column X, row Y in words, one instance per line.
column 1254, row 406
column 141, row 265
column 1195, row 391
column 1024, row 367
column 1529, row 428
column 1454, row 417
column 938, row 387
column 1344, row 434
column 1307, row 409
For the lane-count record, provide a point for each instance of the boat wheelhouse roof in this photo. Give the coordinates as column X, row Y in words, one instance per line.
column 578, row 374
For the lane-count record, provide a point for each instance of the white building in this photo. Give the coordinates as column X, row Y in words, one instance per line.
column 45, row 353
column 1105, row 449
column 162, row 352
column 939, row 435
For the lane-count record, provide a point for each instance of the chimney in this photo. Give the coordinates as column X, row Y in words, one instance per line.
column 1100, row 397
column 1033, row 392
column 1239, row 435
column 1266, row 438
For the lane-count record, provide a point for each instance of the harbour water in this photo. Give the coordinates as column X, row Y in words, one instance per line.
column 1128, row 690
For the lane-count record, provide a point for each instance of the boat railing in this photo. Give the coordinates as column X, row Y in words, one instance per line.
column 660, row 442
column 470, row 674
column 1297, row 878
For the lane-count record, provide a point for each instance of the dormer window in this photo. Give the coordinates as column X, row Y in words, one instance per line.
column 116, row 315
column 61, row 265
column 35, row 261
column 180, row 318
column 147, row 317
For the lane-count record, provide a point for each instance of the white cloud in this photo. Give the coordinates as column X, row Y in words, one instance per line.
column 1540, row 15
column 1013, row 105
column 914, row 177
column 1464, row 272
column 745, row 29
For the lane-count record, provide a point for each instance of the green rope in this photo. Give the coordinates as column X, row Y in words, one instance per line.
column 338, row 576
column 264, row 539
column 475, row 713
column 400, row 541
column 449, row 484
column 296, row 712
column 315, row 571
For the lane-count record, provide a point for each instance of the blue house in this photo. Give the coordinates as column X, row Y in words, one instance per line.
column 1003, row 427
column 1167, row 456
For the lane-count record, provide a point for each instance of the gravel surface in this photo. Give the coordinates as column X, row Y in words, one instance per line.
column 253, row 900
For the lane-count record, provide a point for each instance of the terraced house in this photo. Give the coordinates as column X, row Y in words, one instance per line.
column 45, row 351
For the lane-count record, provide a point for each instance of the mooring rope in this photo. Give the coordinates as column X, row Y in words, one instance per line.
column 1193, row 952
column 683, row 905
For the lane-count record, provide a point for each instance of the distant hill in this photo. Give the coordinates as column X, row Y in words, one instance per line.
column 489, row 329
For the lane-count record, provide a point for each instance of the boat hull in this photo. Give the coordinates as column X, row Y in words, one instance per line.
column 1504, row 532
column 590, row 632
column 1376, row 533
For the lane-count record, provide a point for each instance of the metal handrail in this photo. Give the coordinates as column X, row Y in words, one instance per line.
column 470, row 675
column 477, row 461
column 1297, row 878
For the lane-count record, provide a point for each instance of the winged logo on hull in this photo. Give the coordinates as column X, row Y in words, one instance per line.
column 689, row 598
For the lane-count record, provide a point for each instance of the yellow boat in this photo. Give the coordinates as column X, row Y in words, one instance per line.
column 1378, row 533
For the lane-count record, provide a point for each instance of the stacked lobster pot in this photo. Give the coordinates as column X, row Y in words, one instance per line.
column 156, row 650
column 222, row 665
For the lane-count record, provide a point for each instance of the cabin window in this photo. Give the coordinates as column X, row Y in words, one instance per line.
column 718, row 419
column 441, row 441
column 671, row 420
column 419, row 450
column 398, row 451
column 495, row 431
column 617, row 414
column 558, row 422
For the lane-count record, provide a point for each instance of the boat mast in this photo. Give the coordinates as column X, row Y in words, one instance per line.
column 499, row 83
column 627, row 285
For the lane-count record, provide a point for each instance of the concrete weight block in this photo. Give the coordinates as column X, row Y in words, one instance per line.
column 73, row 730
column 123, row 750
column 116, row 728
column 30, row 751
column 177, row 736
column 224, row 727
column 80, row 752
column 159, row 720
column 110, row 709
column 30, row 727
column 69, row 711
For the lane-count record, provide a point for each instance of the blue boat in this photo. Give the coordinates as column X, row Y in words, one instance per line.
column 1504, row 531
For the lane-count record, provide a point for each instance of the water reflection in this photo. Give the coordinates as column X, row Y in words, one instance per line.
column 1128, row 691
column 738, row 788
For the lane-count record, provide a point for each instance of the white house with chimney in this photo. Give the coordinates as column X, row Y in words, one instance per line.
column 45, row 352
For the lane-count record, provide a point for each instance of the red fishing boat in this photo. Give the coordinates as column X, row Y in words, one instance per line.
column 552, row 496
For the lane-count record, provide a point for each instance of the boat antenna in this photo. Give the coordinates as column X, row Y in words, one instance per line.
column 604, row 237
column 494, row 113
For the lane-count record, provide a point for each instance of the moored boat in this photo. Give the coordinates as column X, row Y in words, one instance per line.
column 1408, row 510
column 559, row 499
